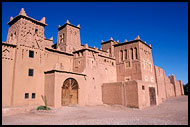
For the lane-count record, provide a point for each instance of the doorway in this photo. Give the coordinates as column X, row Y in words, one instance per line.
column 69, row 92
column 152, row 95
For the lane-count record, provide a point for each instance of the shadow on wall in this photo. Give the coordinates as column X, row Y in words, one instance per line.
column 185, row 87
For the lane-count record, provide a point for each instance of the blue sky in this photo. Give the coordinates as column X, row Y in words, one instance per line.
column 163, row 25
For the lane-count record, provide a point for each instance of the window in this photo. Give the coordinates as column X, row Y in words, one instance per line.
column 110, row 50
column 26, row 96
column 136, row 52
column 62, row 38
column 121, row 55
column 36, row 31
column 30, row 72
column 142, row 87
column 131, row 53
column 31, row 54
column 33, row 95
column 126, row 54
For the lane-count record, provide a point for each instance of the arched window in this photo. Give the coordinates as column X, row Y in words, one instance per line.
column 131, row 53
column 125, row 53
column 121, row 55
column 136, row 53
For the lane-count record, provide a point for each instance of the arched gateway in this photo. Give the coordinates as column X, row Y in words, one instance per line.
column 69, row 95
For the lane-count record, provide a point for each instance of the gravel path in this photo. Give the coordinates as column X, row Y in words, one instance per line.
column 173, row 111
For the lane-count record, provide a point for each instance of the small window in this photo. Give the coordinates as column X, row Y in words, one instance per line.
column 31, row 54
column 142, row 87
column 36, row 31
column 33, row 95
column 126, row 54
column 121, row 55
column 30, row 72
column 26, row 96
column 131, row 53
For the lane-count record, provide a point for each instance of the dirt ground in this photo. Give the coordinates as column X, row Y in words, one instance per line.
column 174, row 111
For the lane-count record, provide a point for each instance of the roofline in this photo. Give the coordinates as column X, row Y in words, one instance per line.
column 22, row 16
column 7, row 44
column 131, row 42
column 53, row 50
column 53, row 71
column 59, row 28
column 106, row 57
column 85, row 49
column 107, row 41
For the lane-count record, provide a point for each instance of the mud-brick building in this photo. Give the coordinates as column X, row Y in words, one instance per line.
column 69, row 73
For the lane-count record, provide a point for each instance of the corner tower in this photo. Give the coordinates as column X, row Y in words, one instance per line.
column 26, row 31
column 68, row 38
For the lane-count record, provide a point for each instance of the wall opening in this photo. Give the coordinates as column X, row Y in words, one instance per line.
column 69, row 92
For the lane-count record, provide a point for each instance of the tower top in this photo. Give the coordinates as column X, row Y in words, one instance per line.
column 111, row 38
column 22, row 12
column 67, row 21
column 43, row 20
column 137, row 38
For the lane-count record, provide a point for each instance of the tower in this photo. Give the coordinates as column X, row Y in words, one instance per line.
column 26, row 31
column 68, row 38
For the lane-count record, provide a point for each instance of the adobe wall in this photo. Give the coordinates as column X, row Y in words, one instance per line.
column 49, row 89
column 8, row 58
column 170, row 92
column 181, row 86
column 28, row 84
column 161, row 86
column 134, row 94
column 128, row 69
column 57, row 61
column 108, row 46
column 144, row 94
column 130, row 91
column 53, row 87
column 176, row 85
column 147, row 66
column 112, row 93
column 99, row 70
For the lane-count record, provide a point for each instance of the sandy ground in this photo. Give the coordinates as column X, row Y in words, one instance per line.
column 173, row 111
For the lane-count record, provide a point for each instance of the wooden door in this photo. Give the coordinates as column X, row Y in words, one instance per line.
column 152, row 95
column 70, row 92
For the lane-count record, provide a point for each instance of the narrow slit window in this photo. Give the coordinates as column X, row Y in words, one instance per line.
column 125, row 54
column 131, row 53
column 121, row 55
column 136, row 53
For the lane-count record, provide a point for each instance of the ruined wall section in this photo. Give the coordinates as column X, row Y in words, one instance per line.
column 181, row 86
column 176, row 85
column 170, row 92
column 161, row 86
